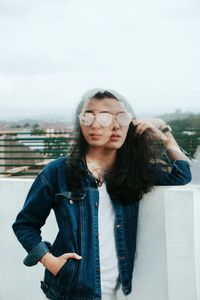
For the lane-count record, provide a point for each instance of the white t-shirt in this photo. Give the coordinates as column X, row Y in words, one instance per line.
column 108, row 257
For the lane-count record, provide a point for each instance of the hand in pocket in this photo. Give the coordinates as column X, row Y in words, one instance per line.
column 54, row 264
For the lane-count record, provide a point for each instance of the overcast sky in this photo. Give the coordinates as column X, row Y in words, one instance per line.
column 52, row 51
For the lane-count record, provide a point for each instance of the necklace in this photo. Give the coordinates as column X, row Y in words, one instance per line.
column 99, row 174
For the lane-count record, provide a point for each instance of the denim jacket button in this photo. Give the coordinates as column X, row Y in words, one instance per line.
column 71, row 201
column 119, row 225
column 122, row 257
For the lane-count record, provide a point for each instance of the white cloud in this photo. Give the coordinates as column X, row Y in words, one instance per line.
column 52, row 51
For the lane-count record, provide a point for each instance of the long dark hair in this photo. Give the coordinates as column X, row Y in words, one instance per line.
column 130, row 177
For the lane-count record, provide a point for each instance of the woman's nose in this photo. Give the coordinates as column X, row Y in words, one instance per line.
column 115, row 123
column 95, row 124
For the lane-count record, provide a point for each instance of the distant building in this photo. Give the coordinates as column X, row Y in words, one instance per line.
column 24, row 154
column 15, row 157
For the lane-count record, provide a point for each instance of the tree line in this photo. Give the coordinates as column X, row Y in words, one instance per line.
column 187, row 132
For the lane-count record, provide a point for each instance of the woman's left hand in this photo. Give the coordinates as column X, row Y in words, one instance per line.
column 151, row 127
column 154, row 128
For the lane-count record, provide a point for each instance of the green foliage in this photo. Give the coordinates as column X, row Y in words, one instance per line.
column 15, row 126
column 36, row 125
column 190, row 123
column 26, row 125
column 187, row 132
column 38, row 131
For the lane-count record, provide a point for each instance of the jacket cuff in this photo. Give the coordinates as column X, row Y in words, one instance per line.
column 36, row 253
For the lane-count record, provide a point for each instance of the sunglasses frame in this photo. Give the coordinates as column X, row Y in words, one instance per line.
column 113, row 117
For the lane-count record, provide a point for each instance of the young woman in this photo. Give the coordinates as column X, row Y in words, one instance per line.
column 95, row 194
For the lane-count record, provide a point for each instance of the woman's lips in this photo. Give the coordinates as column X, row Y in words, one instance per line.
column 115, row 137
column 95, row 136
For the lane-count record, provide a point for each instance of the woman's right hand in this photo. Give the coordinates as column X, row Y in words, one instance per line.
column 54, row 263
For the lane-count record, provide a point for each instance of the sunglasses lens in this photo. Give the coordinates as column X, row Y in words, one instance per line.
column 86, row 119
column 104, row 119
column 123, row 119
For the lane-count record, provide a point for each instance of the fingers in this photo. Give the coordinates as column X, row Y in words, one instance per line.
column 58, row 262
column 158, row 123
column 71, row 255
column 142, row 126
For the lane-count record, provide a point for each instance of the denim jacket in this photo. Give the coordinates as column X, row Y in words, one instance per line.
column 77, row 218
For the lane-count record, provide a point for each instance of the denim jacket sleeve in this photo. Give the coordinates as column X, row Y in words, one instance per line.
column 32, row 217
column 180, row 173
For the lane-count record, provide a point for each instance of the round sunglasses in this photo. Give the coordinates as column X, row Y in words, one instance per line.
column 105, row 119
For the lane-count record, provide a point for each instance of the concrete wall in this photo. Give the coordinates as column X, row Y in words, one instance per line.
column 167, row 265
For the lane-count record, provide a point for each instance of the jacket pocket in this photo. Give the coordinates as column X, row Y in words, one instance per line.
column 66, row 275
column 76, row 196
column 50, row 292
column 63, row 283
column 70, row 215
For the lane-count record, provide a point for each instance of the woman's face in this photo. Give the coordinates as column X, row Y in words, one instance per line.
column 111, row 136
